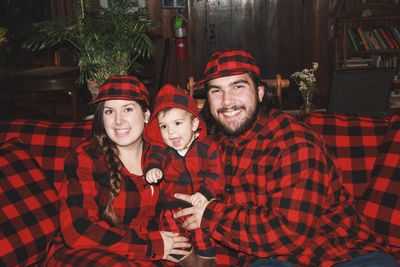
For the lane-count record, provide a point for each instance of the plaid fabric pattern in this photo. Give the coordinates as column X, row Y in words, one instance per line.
column 227, row 63
column 47, row 141
column 66, row 257
column 382, row 197
column 354, row 140
column 84, row 195
column 28, row 207
column 122, row 87
column 284, row 198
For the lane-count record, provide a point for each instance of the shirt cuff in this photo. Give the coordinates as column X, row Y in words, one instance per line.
column 211, row 214
column 157, row 246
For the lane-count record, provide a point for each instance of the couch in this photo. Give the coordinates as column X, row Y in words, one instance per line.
column 31, row 171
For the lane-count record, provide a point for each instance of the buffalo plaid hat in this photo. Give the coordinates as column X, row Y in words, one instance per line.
column 122, row 87
column 227, row 63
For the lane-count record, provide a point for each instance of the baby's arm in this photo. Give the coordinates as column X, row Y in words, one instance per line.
column 153, row 175
column 198, row 200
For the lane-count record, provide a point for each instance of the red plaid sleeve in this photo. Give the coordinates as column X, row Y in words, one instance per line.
column 157, row 157
column 85, row 194
column 354, row 140
column 28, row 207
column 382, row 197
column 48, row 141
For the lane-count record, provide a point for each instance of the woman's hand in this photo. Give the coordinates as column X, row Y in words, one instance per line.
column 195, row 212
column 172, row 244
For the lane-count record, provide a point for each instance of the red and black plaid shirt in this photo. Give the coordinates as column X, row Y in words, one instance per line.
column 284, row 198
column 84, row 196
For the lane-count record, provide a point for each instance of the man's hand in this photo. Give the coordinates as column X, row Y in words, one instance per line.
column 198, row 200
column 194, row 221
column 153, row 175
column 172, row 244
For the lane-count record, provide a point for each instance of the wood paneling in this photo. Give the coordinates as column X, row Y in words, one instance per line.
column 281, row 34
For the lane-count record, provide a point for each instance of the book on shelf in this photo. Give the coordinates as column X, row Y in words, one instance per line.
column 369, row 35
column 380, row 39
column 363, row 39
column 396, row 32
column 358, row 62
column 358, row 40
column 392, row 37
column 386, row 38
column 353, row 41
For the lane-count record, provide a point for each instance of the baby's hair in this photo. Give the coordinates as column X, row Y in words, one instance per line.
column 165, row 110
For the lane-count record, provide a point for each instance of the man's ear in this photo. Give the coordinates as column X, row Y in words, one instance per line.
column 261, row 92
column 195, row 124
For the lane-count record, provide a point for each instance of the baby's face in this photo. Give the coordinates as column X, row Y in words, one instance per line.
column 177, row 128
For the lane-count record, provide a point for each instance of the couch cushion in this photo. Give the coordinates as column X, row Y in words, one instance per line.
column 28, row 207
column 354, row 140
column 48, row 141
column 382, row 197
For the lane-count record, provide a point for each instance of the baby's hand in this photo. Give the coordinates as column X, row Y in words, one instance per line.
column 153, row 175
column 198, row 200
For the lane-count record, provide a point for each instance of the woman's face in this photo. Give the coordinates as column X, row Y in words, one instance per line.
column 124, row 122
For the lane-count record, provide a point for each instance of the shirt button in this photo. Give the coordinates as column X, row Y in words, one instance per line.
column 207, row 230
column 228, row 189
column 145, row 185
column 153, row 255
column 228, row 162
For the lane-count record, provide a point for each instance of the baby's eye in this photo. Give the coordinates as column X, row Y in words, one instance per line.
column 163, row 127
column 178, row 123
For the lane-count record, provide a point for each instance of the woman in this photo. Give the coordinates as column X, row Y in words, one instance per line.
column 108, row 214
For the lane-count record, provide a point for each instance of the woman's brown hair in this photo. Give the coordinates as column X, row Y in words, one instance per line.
column 111, row 154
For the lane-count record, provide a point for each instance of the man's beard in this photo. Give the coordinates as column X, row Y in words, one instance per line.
column 245, row 125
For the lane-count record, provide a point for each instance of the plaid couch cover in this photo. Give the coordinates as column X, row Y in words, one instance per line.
column 356, row 141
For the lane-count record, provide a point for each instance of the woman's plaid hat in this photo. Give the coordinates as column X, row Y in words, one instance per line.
column 124, row 88
column 228, row 63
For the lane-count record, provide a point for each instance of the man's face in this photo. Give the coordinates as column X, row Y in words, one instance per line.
column 233, row 102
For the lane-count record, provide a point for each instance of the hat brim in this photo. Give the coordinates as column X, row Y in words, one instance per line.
column 201, row 83
column 97, row 100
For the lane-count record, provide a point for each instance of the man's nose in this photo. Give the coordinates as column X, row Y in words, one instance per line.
column 227, row 99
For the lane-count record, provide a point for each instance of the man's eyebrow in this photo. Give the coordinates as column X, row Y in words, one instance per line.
column 232, row 83
column 240, row 81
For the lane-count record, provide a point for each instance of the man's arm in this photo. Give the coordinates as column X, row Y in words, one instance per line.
column 290, row 216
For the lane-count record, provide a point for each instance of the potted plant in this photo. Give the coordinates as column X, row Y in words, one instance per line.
column 106, row 41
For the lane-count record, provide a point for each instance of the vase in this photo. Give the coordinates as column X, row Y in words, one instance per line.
column 307, row 105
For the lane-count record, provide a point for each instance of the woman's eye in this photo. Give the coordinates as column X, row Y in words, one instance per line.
column 107, row 111
column 128, row 109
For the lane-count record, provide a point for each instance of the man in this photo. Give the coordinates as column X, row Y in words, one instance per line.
column 284, row 202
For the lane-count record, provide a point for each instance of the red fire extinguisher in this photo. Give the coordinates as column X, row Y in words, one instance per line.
column 179, row 24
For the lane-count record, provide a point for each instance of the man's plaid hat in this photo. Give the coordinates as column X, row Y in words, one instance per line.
column 228, row 63
column 124, row 88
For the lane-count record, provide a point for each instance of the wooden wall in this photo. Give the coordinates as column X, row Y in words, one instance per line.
column 283, row 35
